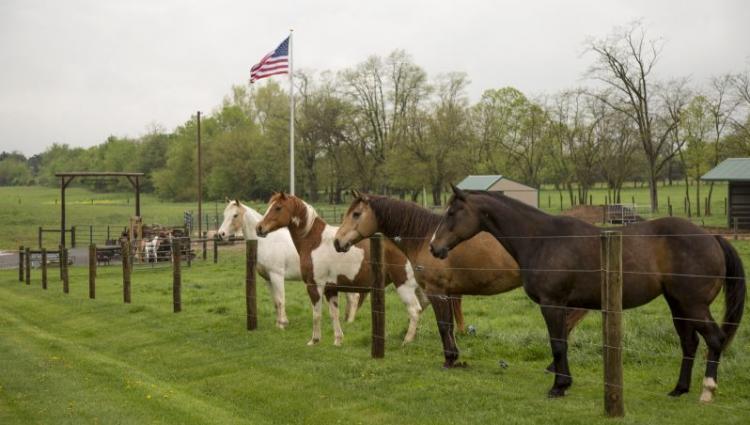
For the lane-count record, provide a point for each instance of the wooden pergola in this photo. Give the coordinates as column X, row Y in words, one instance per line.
column 66, row 178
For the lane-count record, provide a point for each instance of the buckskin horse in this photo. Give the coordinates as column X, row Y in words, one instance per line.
column 480, row 267
column 561, row 270
column 328, row 272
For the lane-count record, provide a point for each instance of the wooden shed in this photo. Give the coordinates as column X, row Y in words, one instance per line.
column 504, row 185
column 736, row 171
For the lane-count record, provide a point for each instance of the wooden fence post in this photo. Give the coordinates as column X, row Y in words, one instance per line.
column 611, row 257
column 20, row 263
column 176, row 276
column 251, row 256
column 205, row 244
column 39, row 237
column 72, row 236
column 59, row 257
column 44, row 268
column 66, row 278
column 125, row 254
column 188, row 252
column 736, row 227
column 378, row 296
column 92, row 271
column 216, row 250
column 27, row 266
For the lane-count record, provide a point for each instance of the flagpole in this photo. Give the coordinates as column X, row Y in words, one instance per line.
column 291, row 114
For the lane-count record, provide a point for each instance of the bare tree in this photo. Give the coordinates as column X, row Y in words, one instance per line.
column 382, row 91
column 721, row 107
column 624, row 63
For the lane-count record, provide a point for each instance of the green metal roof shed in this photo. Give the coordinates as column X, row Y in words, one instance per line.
column 502, row 184
column 736, row 171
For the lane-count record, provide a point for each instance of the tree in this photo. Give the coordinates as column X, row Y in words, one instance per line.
column 14, row 171
column 382, row 91
column 511, row 133
column 624, row 63
column 576, row 141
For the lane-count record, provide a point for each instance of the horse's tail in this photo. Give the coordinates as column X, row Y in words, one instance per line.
column 734, row 290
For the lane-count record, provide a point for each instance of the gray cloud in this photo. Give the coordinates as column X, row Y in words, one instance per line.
column 77, row 71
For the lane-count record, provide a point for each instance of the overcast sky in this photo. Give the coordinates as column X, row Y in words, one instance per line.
column 78, row 71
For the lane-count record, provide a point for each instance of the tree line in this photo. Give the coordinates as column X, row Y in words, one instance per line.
column 386, row 126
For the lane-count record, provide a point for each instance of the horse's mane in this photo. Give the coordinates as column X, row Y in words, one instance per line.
column 401, row 218
column 505, row 198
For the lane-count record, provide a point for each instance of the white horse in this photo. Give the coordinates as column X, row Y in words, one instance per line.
column 277, row 257
column 151, row 249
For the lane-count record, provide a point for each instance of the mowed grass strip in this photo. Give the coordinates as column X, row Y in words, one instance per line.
column 68, row 359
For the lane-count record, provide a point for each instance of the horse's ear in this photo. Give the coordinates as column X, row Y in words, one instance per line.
column 282, row 195
column 226, row 199
column 355, row 194
column 237, row 201
column 364, row 198
column 458, row 193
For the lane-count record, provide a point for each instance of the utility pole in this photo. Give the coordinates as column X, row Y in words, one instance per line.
column 200, row 179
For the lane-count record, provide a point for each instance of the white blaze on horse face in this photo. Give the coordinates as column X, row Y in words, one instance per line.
column 435, row 232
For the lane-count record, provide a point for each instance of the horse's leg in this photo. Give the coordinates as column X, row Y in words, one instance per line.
column 458, row 313
column 444, row 316
column 352, row 304
column 689, row 343
column 276, row 286
column 714, row 337
column 332, row 296
column 407, row 292
column 315, row 293
column 572, row 318
column 554, row 317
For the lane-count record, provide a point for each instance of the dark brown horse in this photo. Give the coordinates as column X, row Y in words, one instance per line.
column 481, row 266
column 561, row 270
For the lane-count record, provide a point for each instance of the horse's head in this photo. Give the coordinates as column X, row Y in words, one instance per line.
column 234, row 220
column 460, row 222
column 281, row 212
column 360, row 222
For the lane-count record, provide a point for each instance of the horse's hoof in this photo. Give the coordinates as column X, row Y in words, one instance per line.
column 338, row 342
column 455, row 365
column 313, row 342
column 678, row 392
column 556, row 392
column 709, row 389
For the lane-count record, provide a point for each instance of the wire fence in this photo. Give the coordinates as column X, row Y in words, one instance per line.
column 145, row 257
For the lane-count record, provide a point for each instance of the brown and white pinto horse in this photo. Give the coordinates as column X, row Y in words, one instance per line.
column 325, row 271
column 479, row 267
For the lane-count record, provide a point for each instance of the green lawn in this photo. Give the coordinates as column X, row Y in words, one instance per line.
column 68, row 359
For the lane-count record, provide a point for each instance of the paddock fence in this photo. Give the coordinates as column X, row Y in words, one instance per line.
column 184, row 250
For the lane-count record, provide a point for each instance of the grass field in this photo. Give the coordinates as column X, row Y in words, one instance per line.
column 24, row 209
column 67, row 359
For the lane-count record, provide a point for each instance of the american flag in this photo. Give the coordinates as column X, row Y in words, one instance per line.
column 276, row 62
